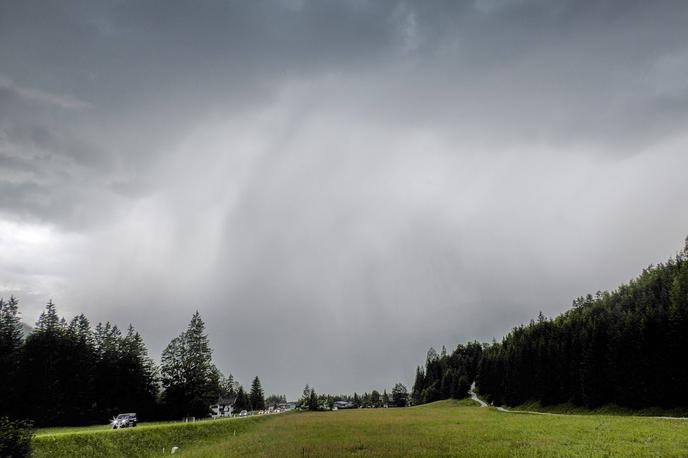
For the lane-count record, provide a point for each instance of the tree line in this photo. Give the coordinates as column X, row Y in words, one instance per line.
column 627, row 347
column 399, row 397
column 69, row 373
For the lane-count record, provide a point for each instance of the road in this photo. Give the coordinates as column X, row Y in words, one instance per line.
column 475, row 397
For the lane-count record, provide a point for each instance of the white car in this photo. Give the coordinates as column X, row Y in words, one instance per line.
column 243, row 413
column 124, row 420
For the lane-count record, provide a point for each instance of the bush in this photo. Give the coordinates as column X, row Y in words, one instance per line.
column 15, row 438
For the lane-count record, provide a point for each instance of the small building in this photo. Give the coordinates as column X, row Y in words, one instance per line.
column 223, row 408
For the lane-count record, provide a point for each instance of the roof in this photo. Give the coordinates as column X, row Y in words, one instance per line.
column 227, row 400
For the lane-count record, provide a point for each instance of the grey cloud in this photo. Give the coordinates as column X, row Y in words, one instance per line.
column 59, row 100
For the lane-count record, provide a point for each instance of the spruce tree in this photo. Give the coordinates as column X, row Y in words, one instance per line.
column 231, row 386
column 78, row 363
column 10, row 345
column 48, row 322
column 108, row 379
column 418, row 386
column 227, row 387
column 257, row 397
column 242, row 401
column 305, row 397
column 313, row 400
column 189, row 377
column 138, row 374
column 43, row 377
column 10, row 326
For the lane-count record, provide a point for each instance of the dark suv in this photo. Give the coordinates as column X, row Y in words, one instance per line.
column 124, row 420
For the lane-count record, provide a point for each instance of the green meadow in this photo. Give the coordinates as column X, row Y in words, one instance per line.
column 445, row 428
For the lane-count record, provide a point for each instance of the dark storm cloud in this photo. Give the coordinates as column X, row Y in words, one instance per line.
column 336, row 185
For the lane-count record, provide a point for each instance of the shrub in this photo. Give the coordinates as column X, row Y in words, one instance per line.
column 15, row 438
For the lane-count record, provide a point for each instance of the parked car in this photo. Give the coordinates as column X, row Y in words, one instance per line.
column 124, row 420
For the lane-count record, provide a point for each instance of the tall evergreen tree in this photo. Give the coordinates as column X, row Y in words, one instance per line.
column 189, row 377
column 305, row 397
column 49, row 322
column 108, row 379
column 138, row 373
column 418, row 386
column 10, row 346
column 10, row 326
column 257, row 396
column 78, row 362
column 231, row 385
column 42, row 376
column 313, row 400
column 242, row 401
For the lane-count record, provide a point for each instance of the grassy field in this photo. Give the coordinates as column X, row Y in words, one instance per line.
column 146, row 440
column 446, row 428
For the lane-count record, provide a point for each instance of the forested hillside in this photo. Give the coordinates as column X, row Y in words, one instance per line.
column 627, row 347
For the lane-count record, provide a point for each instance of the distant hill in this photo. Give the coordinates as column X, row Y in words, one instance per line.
column 26, row 329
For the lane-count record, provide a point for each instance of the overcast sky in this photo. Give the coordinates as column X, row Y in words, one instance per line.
column 336, row 185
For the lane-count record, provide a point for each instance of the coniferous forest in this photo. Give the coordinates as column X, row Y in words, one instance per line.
column 66, row 373
column 69, row 373
column 628, row 347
